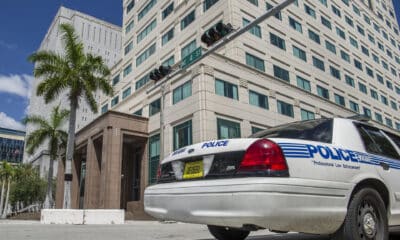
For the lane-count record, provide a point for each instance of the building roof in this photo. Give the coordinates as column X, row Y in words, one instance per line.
column 12, row 132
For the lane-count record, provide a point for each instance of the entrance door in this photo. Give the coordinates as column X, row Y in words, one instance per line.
column 82, row 183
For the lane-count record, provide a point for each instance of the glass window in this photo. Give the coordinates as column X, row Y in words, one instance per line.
column 278, row 15
column 277, row 41
column 255, row 2
column 349, row 80
column 281, row 73
column 130, row 6
column 129, row 27
column 307, row 115
column 318, row 63
column 138, row 112
column 146, row 9
column 309, row 11
column 226, row 89
column 353, row 42
column 340, row 100
column 374, row 94
column 304, row 84
column 389, row 122
column 167, row 11
column 345, row 56
column 378, row 117
column 335, row 72
column 295, row 25
column 186, row 21
column 341, row 33
column 257, row 99
column 367, row 112
column 255, row 62
column 188, row 49
column 128, row 47
column 104, row 108
column 146, row 54
column 349, row 21
column 362, row 88
column 330, row 46
column 183, row 135
column 115, row 80
column 384, row 100
column 127, row 70
column 142, row 81
column 322, row 92
column 126, row 93
column 228, row 129
column 354, row 106
column 365, row 50
column 297, row 52
column 336, row 11
column 285, row 108
column 154, row 107
column 356, row 10
column 114, row 101
column 313, row 36
column 154, row 157
column 326, row 22
column 370, row 72
column 255, row 129
column 182, row 92
column 256, row 30
column 360, row 30
column 167, row 36
column 146, row 31
column 208, row 3
column 358, row 64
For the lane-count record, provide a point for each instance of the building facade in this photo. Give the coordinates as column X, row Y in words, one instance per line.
column 99, row 38
column 11, row 145
column 319, row 58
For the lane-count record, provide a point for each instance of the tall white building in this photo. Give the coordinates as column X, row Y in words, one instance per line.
column 98, row 37
column 317, row 58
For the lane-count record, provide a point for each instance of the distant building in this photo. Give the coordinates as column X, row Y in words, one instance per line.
column 99, row 38
column 11, row 145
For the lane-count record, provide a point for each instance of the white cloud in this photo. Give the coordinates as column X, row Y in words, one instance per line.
column 7, row 45
column 9, row 122
column 16, row 84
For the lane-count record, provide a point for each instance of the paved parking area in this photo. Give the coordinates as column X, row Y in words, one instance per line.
column 20, row 230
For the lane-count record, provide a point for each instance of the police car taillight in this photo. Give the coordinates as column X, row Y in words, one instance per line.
column 263, row 156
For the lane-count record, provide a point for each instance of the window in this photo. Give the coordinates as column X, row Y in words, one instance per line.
column 375, row 58
column 313, row 36
column 114, row 101
column 378, row 117
column 146, row 9
column 353, row 42
column 170, row 61
column 384, row 100
column 281, row 73
column 183, row 135
column 356, row 10
column 146, row 54
column 167, row 11
column 188, row 49
column 367, row 112
column 257, row 99
column 182, row 92
column 349, row 21
column 297, row 52
column 393, row 105
column 335, row 72
column 380, row 46
column 130, row 5
column 142, row 81
column 127, row 70
column 374, row 94
column 330, row 46
column 367, row 20
column 318, row 63
column 256, row 30
column 389, row 122
column 115, row 80
column 375, row 142
column 303, row 84
column 255, row 2
column 285, row 108
column 126, row 93
column 129, row 27
column 307, row 115
column 104, row 108
column 228, row 129
column 295, row 25
column 138, row 112
column 226, row 89
column 146, row 31
column 277, row 41
column 345, row 56
column 309, row 11
column 340, row 33
column 128, row 48
column 324, row 2
column 167, row 36
column 326, row 22
column 354, row 106
column 389, row 85
column 358, row 64
column 365, row 50
column 255, row 62
column 385, row 65
column 336, row 11
column 376, row 27
column 362, row 88
column 278, row 15
column 208, row 3
column 339, row 100
column 255, row 129
column 154, row 157
column 371, row 38
column 186, row 21
column 346, row 2
column 360, row 30
column 322, row 92
column 154, row 107
column 370, row 72
column 349, row 80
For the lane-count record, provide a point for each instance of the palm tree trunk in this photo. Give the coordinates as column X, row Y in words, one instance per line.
column 5, row 211
column 3, row 185
column 70, row 152
column 48, row 202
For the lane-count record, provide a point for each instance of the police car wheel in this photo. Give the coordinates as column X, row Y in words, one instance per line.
column 225, row 233
column 366, row 218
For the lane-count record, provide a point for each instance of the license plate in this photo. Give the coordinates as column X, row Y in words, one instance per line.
column 193, row 170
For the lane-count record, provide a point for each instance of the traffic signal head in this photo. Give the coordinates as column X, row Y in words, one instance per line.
column 217, row 32
column 159, row 73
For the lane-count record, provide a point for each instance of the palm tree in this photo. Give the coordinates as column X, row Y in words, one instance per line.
column 80, row 74
column 8, row 173
column 3, row 186
column 52, row 131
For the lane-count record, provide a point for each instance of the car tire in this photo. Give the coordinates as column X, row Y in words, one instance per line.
column 366, row 218
column 226, row 233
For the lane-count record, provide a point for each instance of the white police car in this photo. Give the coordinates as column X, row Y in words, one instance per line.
column 326, row 176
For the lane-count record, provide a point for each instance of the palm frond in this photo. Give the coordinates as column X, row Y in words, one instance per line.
column 51, row 88
column 73, row 48
column 36, row 138
column 36, row 120
column 91, row 101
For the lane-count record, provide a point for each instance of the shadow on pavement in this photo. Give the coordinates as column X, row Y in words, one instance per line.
column 284, row 237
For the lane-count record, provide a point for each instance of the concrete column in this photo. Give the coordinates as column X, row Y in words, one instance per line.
column 92, row 183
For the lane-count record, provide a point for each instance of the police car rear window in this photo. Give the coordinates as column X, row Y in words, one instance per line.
column 313, row 130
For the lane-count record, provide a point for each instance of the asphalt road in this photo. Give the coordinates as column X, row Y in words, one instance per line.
column 12, row 230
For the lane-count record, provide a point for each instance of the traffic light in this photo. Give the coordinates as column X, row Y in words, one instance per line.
column 158, row 73
column 216, row 33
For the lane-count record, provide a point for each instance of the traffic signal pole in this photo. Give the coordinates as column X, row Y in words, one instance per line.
column 225, row 40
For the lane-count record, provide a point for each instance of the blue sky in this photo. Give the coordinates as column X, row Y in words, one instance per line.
column 23, row 24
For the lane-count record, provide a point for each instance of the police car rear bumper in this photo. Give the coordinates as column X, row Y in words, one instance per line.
column 284, row 204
